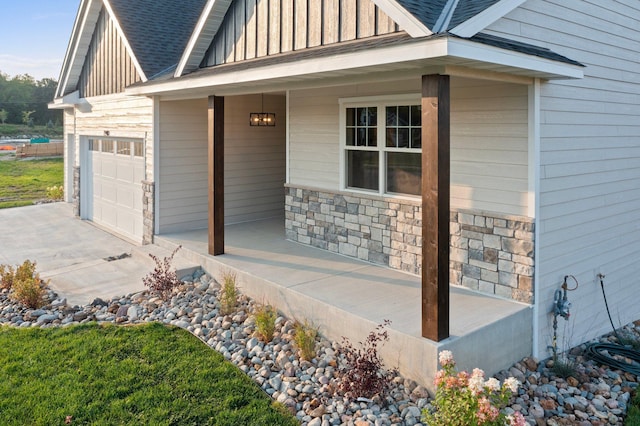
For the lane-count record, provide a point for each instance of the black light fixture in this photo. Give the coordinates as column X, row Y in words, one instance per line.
column 262, row 118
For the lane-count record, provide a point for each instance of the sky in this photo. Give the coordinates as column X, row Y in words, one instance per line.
column 34, row 35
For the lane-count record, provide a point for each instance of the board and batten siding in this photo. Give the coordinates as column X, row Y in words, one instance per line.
column 258, row 28
column 489, row 140
column 254, row 162
column 107, row 68
column 590, row 160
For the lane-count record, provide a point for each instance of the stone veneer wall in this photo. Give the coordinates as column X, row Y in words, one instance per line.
column 148, row 211
column 490, row 252
column 76, row 191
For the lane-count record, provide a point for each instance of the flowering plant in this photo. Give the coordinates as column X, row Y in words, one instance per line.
column 464, row 399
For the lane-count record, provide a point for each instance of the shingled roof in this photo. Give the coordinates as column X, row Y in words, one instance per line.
column 157, row 30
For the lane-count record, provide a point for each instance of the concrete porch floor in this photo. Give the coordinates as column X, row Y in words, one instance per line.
column 348, row 297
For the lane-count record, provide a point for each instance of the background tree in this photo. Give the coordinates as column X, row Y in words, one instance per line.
column 3, row 115
column 23, row 94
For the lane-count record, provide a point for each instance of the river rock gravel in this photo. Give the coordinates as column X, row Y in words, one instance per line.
column 593, row 395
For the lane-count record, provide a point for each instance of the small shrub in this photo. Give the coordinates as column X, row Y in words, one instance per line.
column 305, row 338
column 55, row 193
column 163, row 279
column 6, row 276
column 228, row 293
column 464, row 399
column 564, row 367
column 364, row 373
column 265, row 316
column 27, row 287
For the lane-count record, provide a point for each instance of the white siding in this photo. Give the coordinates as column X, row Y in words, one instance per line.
column 254, row 159
column 254, row 162
column 489, row 140
column 119, row 116
column 489, row 146
column 590, row 159
column 182, row 185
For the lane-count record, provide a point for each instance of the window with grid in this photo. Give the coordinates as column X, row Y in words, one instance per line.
column 383, row 147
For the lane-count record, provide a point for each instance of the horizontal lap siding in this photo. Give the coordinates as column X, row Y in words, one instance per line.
column 182, row 186
column 254, row 159
column 489, row 144
column 121, row 116
column 254, row 162
column 590, row 157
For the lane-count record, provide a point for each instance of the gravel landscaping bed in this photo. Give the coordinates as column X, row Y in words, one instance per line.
column 593, row 395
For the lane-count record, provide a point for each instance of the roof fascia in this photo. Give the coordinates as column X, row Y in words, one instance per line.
column 482, row 20
column 81, row 30
column 67, row 101
column 470, row 50
column 439, row 48
column 211, row 19
column 403, row 18
column 127, row 46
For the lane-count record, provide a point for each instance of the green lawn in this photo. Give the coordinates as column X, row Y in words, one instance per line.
column 14, row 130
column 633, row 415
column 113, row 375
column 24, row 181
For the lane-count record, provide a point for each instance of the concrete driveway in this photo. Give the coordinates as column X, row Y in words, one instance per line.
column 74, row 254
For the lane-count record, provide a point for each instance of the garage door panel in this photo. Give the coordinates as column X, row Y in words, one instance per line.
column 115, row 200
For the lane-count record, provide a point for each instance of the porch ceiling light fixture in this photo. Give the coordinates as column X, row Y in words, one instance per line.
column 262, row 118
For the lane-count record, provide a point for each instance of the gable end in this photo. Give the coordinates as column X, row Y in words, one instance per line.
column 258, row 28
column 108, row 67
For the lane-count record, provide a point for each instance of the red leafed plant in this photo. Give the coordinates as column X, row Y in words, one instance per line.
column 364, row 373
column 163, row 279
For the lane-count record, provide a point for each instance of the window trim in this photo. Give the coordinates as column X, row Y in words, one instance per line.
column 381, row 102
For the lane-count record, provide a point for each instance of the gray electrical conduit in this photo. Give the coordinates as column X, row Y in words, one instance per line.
column 605, row 353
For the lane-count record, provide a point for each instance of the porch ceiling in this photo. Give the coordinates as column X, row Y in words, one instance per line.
column 381, row 58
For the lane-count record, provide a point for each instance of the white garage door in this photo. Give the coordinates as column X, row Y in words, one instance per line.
column 114, row 188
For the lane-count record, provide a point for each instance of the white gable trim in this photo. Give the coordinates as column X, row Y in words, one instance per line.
column 482, row 20
column 445, row 17
column 81, row 35
column 206, row 28
column 127, row 46
column 403, row 18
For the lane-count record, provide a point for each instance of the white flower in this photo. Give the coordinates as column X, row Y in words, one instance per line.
column 476, row 385
column 492, row 384
column 478, row 373
column 512, row 383
column 446, row 358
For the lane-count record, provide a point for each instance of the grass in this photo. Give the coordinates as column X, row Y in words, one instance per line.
column 633, row 415
column 110, row 375
column 13, row 130
column 24, row 181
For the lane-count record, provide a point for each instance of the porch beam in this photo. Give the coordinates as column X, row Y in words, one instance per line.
column 435, row 205
column 216, row 174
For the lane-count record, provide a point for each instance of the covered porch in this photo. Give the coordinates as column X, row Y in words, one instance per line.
column 348, row 297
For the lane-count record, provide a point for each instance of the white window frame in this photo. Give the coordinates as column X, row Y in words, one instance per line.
column 380, row 102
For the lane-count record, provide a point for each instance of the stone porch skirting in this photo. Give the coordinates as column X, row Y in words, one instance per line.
column 489, row 252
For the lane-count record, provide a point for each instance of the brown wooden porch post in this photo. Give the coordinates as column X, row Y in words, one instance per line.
column 216, row 175
column 435, row 206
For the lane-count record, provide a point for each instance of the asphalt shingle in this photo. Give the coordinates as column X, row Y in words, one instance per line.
column 157, row 30
column 467, row 9
column 426, row 11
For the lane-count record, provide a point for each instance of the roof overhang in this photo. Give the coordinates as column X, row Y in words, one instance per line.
column 72, row 100
column 393, row 60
